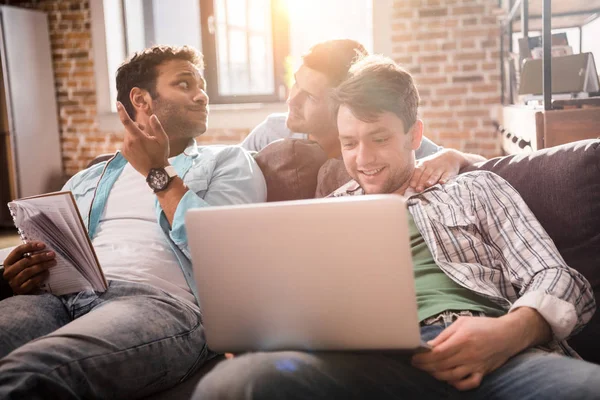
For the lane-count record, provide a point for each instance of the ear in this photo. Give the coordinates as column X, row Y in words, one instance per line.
column 416, row 131
column 141, row 101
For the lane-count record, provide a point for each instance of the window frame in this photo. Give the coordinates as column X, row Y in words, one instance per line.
column 280, row 38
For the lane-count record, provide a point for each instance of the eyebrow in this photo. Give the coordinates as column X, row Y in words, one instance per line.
column 185, row 74
column 303, row 89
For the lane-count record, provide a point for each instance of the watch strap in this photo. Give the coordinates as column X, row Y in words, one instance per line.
column 171, row 172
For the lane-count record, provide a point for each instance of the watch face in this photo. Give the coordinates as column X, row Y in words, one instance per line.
column 158, row 179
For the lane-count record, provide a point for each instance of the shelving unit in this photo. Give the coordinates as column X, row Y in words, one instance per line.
column 526, row 128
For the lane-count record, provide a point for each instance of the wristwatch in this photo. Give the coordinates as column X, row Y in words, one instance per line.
column 159, row 178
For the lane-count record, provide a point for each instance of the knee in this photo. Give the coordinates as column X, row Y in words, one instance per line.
column 284, row 375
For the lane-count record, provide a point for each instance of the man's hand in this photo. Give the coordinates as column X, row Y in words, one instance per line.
column 145, row 147
column 472, row 347
column 439, row 167
column 27, row 266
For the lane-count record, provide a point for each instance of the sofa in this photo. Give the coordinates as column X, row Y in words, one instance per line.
column 561, row 185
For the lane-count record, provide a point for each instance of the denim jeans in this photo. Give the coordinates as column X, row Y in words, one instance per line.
column 533, row 374
column 128, row 342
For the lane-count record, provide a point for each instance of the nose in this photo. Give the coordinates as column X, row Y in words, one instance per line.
column 293, row 98
column 364, row 155
column 201, row 97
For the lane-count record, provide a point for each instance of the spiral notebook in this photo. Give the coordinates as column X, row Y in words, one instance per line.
column 54, row 219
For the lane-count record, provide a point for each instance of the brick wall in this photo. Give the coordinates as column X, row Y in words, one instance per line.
column 450, row 45
column 452, row 49
column 72, row 55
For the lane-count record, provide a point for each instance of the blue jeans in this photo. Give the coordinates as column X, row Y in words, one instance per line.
column 294, row 375
column 128, row 342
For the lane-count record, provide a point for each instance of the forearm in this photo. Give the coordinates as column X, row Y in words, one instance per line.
column 465, row 159
column 169, row 198
column 527, row 327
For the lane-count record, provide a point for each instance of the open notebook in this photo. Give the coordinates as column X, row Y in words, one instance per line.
column 54, row 219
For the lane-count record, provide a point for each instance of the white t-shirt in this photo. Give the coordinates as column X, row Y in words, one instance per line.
column 129, row 242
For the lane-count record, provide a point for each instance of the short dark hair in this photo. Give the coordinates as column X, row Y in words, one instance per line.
column 334, row 58
column 140, row 70
column 377, row 84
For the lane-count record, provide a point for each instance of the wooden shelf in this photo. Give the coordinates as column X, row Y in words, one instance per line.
column 526, row 129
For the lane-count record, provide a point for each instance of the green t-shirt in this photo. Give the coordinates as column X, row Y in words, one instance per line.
column 436, row 292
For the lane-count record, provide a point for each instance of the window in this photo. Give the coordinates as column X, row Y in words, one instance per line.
column 251, row 47
column 245, row 43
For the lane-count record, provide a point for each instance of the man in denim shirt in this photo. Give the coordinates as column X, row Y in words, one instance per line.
column 496, row 301
column 143, row 334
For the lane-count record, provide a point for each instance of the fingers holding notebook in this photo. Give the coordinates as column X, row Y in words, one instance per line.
column 27, row 266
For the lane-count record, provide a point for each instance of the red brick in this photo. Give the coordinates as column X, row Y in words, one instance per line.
column 431, row 80
column 470, row 56
column 469, row 21
column 483, row 88
column 438, row 58
column 432, row 35
column 404, row 37
column 452, row 91
column 474, row 113
column 467, row 44
column 467, row 10
column 467, row 79
column 448, row 46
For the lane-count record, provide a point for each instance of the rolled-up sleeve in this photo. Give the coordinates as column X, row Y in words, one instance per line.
column 236, row 179
column 561, row 295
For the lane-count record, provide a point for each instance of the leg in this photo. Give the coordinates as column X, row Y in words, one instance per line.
column 24, row 318
column 296, row 375
column 339, row 375
column 137, row 341
column 538, row 375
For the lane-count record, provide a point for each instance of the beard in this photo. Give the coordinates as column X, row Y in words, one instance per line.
column 176, row 121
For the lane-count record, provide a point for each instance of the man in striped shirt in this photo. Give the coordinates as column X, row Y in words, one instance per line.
column 495, row 299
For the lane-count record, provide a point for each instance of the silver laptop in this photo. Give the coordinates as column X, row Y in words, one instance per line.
column 326, row 275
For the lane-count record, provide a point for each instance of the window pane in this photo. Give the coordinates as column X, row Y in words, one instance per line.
column 261, row 66
column 236, row 13
column 259, row 15
column 222, row 59
column 115, row 43
column 238, row 68
column 177, row 25
column 134, row 11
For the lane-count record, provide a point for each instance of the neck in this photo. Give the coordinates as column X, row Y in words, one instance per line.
column 330, row 144
column 402, row 189
column 177, row 146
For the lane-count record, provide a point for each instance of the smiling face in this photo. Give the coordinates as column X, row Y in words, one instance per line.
column 308, row 104
column 379, row 155
column 180, row 101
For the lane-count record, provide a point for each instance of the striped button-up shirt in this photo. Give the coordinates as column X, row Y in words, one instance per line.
column 484, row 237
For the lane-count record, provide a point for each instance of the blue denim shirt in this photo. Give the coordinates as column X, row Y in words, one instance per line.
column 215, row 175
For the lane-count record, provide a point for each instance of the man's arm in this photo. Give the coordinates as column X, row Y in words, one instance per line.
column 436, row 164
column 561, row 295
column 271, row 129
column 236, row 179
column 472, row 347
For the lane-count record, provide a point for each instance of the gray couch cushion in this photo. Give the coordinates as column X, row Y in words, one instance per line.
column 561, row 185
